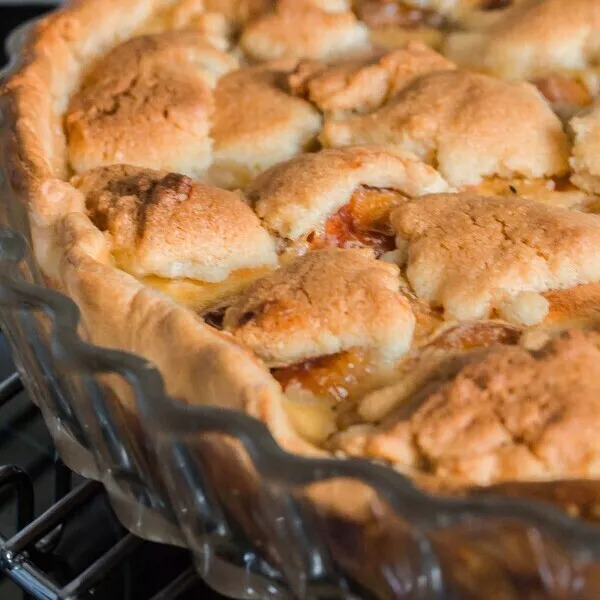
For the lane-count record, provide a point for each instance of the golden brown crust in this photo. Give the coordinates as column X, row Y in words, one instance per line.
column 203, row 367
column 476, row 127
column 532, row 38
column 148, row 103
column 295, row 198
column 300, row 29
column 585, row 159
column 471, row 254
column 361, row 86
column 323, row 303
column 508, row 414
column 59, row 48
column 257, row 124
column 163, row 224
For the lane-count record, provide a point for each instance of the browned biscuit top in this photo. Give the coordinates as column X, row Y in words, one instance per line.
column 149, row 103
column 164, row 224
column 301, row 29
column 509, row 413
column 323, row 303
column 469, row 125
column 363, row 85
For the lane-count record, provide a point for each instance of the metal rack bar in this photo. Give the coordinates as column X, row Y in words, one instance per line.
column 55, row 515
column 9, row 388
column 11, row 476
column 44, row 532
column 33, row 581
column 95, row 572
column 178, row 586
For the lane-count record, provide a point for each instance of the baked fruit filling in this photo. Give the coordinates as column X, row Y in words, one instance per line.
column 405, row 239
column 566, row 93
column 362, row 223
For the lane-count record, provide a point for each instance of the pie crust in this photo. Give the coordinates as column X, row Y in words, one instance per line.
column 342, row 228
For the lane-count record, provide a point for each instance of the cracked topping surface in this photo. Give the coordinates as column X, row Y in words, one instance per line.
column 471, row 254
column 535, row 37
column 508, row 413
column 468, row 125
column 300, row 29
column 296, row 197
column 163, row 224
column 159, row 86
column 399, row 234
column 323, row 303
column 361, row 86
column 257, row 124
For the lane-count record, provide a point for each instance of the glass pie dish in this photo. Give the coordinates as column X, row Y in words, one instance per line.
column 262, row 522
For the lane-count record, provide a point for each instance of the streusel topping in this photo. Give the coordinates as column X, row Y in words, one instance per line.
column 323, row 303
column 508, row 413
column 472, row 254
column 148, row 102
column 162, row 223
column 324, row 181
column 468, row 125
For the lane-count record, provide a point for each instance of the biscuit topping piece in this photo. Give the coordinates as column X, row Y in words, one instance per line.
column 296, row 197
column 299, row 29
column 586, row 150
column 472, row 254
column 162, row 224
column 363, row 85
column 237, row 12
column 468, row 125
column 323, row 303
column 257, row 124
column 148, row 103
column 534, row 38
column 508, row 414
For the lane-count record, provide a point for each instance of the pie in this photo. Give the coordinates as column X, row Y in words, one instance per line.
column 373, row 225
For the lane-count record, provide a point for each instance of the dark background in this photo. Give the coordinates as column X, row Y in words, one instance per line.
column 15, row 13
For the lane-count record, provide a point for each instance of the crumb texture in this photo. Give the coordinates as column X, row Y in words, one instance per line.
column 471, row 254
column 468, row 125
column 294, row 198
column 508, row 414
column 323, row 303
column 162, row 223
column 148, row 102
